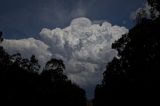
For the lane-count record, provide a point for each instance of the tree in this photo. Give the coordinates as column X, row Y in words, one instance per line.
column 60, row 89
column 34, row 66
column 22, row 84
column 155, row 4
column 54, row 70
column 134, row 77
column 1, row 39
column 141, row 16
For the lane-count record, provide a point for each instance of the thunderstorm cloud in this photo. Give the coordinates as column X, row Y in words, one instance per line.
column 85, row 48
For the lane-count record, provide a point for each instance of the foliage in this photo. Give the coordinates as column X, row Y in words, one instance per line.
column 151, row 10
column 23, row 85
column 134, row 77
column 155, row 4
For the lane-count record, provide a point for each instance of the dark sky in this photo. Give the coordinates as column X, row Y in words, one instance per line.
column 26, row 18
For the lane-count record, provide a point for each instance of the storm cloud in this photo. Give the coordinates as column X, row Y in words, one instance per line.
column 85, row 48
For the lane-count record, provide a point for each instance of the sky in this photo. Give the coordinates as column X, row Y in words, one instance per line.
column 80, row 32
column 25, row 18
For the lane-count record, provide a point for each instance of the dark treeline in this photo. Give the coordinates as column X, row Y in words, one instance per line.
column 22, row 85
column 134, row 77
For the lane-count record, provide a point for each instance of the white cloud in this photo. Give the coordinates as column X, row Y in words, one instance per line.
column 84, row 47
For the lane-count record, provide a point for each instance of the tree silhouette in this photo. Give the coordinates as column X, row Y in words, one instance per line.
column 54, row 70
column 23, row 85
column 65, row 92
column 134, row 77
column 140, row 16
column 1, row 39
column 155, row 4
column 34, row 66
column 150, row 11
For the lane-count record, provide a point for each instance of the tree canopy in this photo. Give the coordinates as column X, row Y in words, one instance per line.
column 155, row 3
column 133, row 78
column 23, row 85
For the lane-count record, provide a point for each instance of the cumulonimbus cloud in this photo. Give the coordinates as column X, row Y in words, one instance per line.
column 84, row 47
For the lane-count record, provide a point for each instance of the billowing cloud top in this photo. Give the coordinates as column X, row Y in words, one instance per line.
column 84, row 47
